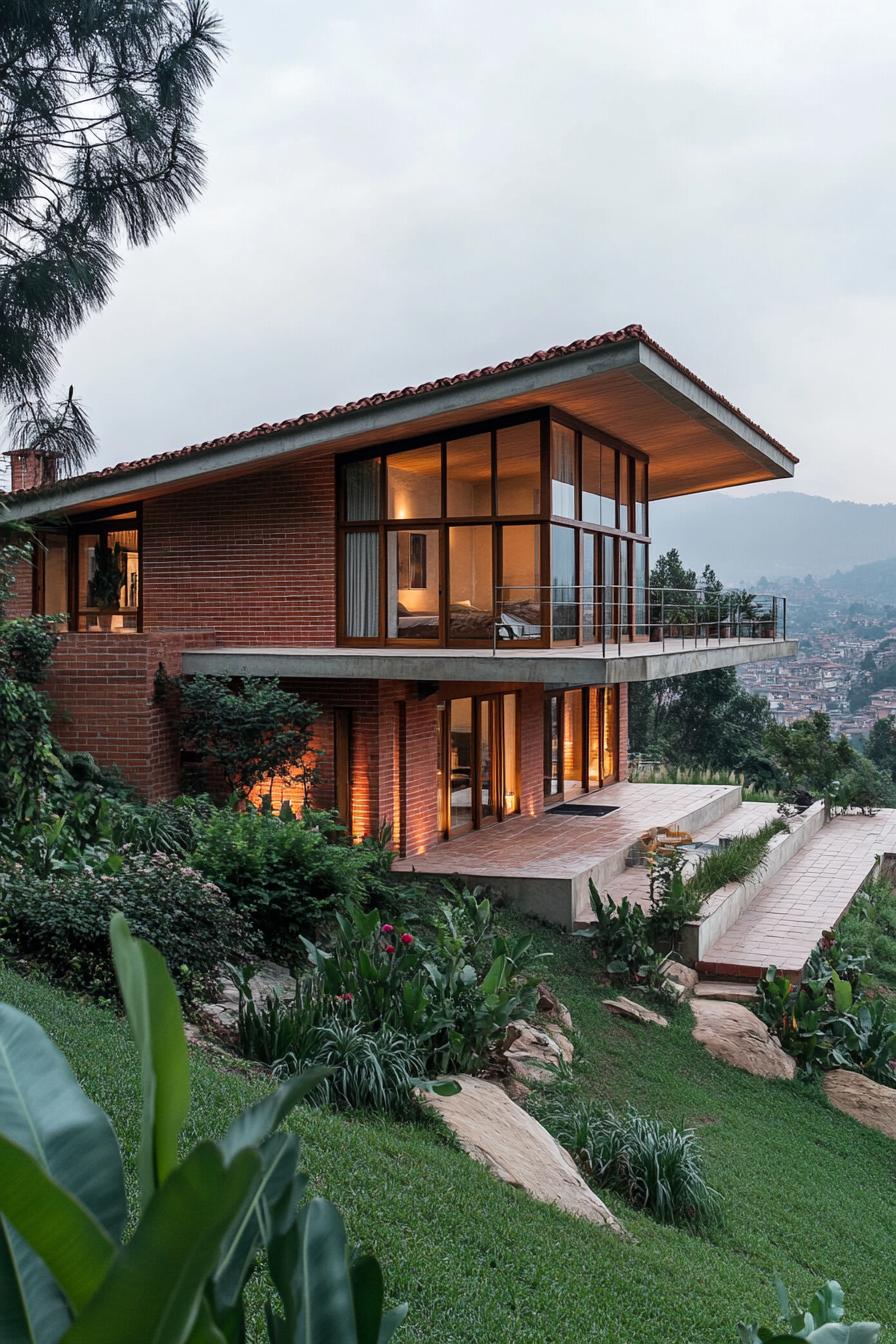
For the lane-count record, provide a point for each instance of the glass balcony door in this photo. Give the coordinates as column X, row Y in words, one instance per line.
column 478, row 766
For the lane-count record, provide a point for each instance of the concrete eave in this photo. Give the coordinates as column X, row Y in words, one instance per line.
column 556, row 667
column 480, row 398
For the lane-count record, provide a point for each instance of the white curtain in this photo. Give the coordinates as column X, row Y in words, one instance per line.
column 361, row 481
column 362, row 584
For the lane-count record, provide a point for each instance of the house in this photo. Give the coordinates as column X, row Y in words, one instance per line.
column 456, row 573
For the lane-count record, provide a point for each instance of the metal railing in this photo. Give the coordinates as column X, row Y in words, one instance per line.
column 609, row 615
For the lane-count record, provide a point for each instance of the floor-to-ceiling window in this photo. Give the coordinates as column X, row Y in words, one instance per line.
column 478, row 761
column 581, row 746
column 527, row 530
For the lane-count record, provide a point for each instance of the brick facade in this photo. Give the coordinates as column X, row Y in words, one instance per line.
column 102, row 687
column 255, row 559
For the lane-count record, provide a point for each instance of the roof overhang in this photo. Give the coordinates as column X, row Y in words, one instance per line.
column 629, row 389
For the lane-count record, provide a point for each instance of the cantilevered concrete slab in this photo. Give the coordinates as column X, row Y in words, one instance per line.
column 555, row 667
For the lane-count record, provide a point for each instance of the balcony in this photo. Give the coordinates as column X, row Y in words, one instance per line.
column 562, row 636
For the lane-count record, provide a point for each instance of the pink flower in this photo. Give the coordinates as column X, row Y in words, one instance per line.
column 345, row 998
column 390, row 949
column 407, row 939
column 387, row 928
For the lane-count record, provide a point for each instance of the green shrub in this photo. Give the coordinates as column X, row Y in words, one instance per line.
column 829, row 1021
column 203, row 1221
column 653, row 1166
column 62, row 922
column 868, row 929
column 26, row 646
column 282, row 873
column 622, row 937
column 821, row 1321
column 451, row 993
column 370, row 1070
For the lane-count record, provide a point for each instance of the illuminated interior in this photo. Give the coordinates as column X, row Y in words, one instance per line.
column 580, row 741
column 91, row 573
column 459, row 542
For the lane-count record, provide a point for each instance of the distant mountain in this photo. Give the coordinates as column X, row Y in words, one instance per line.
column 876, row 580
column 780, row 534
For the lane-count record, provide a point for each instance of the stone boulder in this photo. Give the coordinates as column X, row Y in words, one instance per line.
column 517, row 1149
column 533, row 1054
column 549, row 1004
column 679, row 974
column 735, row 1035
column 872, row 1104
column 269, row 978
column 624, row 1007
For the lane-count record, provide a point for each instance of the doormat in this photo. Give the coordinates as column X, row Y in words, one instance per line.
column 579, row 810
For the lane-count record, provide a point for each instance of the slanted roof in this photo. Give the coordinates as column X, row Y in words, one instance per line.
column 622, row 382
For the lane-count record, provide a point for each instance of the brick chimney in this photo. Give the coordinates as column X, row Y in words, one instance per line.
column 30, row 469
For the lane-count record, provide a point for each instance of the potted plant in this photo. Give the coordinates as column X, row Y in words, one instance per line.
column 109, row 577
column 745, row 610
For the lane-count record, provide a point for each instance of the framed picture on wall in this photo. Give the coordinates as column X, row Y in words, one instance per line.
column 412, row 560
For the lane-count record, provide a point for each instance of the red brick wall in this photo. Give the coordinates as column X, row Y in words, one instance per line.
column 531, row 703
column 22, row 595
column 253, row 557
column 623, row 732
column 102, row 689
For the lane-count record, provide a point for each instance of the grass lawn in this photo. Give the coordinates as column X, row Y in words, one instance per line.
column 807, row 1192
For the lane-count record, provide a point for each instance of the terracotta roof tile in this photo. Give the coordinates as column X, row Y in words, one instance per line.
column 634, row 332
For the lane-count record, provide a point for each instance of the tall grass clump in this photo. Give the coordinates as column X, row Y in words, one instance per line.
column 654, row 1166
column 868, row 929
column 735, row 862
column 660, row 772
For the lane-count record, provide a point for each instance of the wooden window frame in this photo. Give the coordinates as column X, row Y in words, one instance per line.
column 498, row 758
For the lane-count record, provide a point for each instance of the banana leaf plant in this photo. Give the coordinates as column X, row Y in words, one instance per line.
column 68, row 1276
column 821, row 1322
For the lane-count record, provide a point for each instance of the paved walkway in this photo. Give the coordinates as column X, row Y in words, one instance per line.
column 634, row 883
column 807, row 896
column 559, row 845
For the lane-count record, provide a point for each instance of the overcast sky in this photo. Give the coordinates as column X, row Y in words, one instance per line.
column 399, row 191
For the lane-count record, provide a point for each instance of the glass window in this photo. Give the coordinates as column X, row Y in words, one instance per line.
column 622, row 613
column 415, row 482
column 592, row 501
column 412, row 584
column 590, row 591
column 362, row 585
column 595, row 725
column 564, row 473
column 563, row 583
column 607, row 486
column 511, row 755
column 609, row 732
column 520, row 610
column 460, row 764
column 573, row 724
column 361, row 490
column 486, row 760
column 519, row 469
column 609, row 604
column 52, row 568
column 471, row 594
column 640, row 497
column 469, row 476
column 625, row 492
column 640, row 587
column 553, row 727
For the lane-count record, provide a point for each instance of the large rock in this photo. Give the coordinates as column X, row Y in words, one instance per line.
column 517, row 1149
column 534, row 1054
column 549, row 1004
column 269, row 978
column 872, row 1104
column 628, row 1008
column 684, row 976
column 733, row 1034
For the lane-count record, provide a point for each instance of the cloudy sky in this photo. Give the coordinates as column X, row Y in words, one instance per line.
column 401, row 191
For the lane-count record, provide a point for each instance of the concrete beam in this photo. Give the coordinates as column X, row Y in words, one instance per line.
column 555, row 667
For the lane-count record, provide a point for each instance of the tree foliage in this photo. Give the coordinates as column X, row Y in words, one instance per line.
column 881, row 746
column 256, row 733
column 98, row 107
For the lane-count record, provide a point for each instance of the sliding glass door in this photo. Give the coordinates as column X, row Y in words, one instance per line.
column 478, row 762
column 580, row 741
